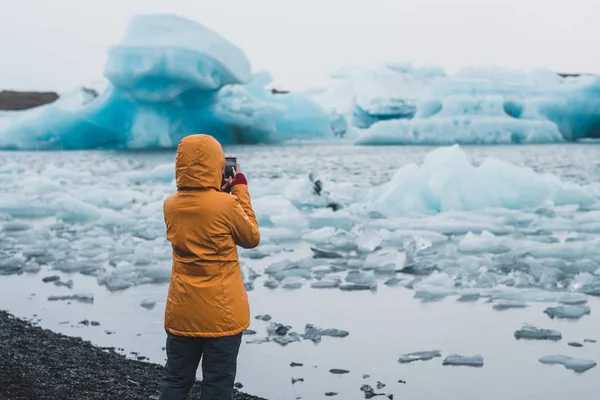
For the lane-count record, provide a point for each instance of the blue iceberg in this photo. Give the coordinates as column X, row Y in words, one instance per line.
column 168, row 78
column 402, row 104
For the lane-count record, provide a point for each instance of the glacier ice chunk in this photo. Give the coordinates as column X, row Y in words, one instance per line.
column 508, row 304
column 466, row 361
column 447, row 180
column 567, row 311
column 162, row 56
column 575, row 364
column 419, row 356
column 531, row 332
column 169, row 77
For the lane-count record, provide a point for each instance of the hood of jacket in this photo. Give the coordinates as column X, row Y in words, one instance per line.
column 199, row 163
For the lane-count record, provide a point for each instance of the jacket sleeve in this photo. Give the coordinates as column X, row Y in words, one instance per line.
column 244, row 227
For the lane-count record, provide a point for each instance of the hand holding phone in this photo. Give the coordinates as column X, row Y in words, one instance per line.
column 230, row 166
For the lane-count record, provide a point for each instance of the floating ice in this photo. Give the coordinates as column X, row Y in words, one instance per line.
column 419, row 356
column 292, row 282
column 313, row 333
column 435, row 287
column 458, row 360
column 567, row 312
column 148, row 304
column 447, row 180
column 82, row 298
column 481, row 105
column 359, row 280
column 508, row 304
column 384, row 261
column 531, row 332
column 169, row 77
column 575, row 364
column 326, row 283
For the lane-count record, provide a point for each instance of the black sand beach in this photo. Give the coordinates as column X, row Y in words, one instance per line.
column 39, row 364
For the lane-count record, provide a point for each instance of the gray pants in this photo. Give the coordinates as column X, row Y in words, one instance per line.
column 219, row 365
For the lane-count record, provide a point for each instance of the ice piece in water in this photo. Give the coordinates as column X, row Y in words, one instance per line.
column 575, row 364
column 593, row 289
column 395, row 282
column 277, row 267
column 360, row 278
column 271, row 283
column 419, row 356
column 320, row 236
column 507, row 304
column 567, row 312
column 326, row 283
column 322, row 270
column 11, row 265
column 537, row 295
column 82, row 298
column 285, row 340
column 531, row 332
column 16, row 226
column 435, row 287
column 447, row 180
column 350, row 287
column 290, row 273
column 321, row 252
column 469, row 297
column 386, row 260
column 575, row 344
column 458, row 360
column 486, row 242
column 368, row 241
column 313, row 333
column 258, row 341
column 292, row 282
column 148, row 304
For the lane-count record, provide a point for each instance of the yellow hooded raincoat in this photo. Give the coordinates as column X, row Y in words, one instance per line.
column 207, row 297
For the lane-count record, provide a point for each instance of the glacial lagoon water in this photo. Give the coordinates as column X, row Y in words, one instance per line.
column 95, row 218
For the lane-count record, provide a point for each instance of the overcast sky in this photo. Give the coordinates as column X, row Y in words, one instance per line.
column 60, row 44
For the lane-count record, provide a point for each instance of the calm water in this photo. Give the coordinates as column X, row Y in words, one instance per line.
column 100, row 213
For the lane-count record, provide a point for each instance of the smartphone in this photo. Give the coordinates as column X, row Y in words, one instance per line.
column 230, row 165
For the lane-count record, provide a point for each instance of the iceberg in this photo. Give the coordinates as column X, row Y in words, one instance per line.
column 462, row 119
column 169, row 77
column 448, row 181
column 399, row 104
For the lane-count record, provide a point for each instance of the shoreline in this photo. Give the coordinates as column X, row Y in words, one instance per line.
column 37, row 363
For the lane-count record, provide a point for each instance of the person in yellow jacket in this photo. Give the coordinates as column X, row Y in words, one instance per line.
column 207, row 305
